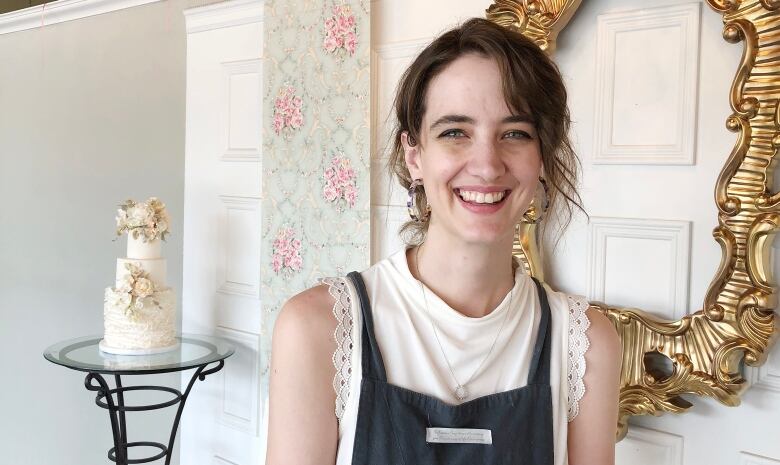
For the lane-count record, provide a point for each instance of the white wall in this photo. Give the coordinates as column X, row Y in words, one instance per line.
column 91, row 113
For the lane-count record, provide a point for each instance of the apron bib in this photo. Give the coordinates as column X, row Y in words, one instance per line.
column 393, row 422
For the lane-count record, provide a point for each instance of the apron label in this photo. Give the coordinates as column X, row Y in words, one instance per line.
column 458, row 436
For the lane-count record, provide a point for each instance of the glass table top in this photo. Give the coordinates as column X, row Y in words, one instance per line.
column 83, row 354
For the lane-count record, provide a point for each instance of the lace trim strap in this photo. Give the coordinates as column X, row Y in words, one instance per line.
column 578, row 345
column 342, row 310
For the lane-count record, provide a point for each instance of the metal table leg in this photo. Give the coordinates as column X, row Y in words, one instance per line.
column 116, row 412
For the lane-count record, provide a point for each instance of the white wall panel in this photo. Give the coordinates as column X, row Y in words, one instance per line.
column 388, row 199
column 646, row 84
column 767, row 376
column 240, row 393
column 223, row 190
column 385, row 189
column 640, row 263
column 242, row 110
column 391, row 61
column 385, row 221
column 238, row 270
column 643, row 446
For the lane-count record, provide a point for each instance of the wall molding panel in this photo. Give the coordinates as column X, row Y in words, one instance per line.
column 384, row 59
column 766, row 376
column 385, row 221
column 221, row 15
column 238, row 271
column 242, row 110
column 660, row 247
column 644, row 446
column 661, row 82
column 61, row 11
column 222, row 461
column 240, row 393
column 402, row 49
column 746, row 458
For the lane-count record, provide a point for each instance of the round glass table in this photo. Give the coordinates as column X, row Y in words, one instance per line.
column 193, row 352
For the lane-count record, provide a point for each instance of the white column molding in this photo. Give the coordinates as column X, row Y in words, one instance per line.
column 225, row 14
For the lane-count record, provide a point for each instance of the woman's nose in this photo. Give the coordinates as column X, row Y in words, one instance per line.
column 485, row 161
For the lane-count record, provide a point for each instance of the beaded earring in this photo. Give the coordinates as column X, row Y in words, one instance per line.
column 411, row 203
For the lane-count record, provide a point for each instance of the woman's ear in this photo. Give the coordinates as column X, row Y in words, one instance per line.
column 412, row 155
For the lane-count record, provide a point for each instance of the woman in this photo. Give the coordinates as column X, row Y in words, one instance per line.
column 446, row 352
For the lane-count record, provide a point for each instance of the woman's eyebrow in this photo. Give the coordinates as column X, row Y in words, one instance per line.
column 447, row 119
column 519, row 118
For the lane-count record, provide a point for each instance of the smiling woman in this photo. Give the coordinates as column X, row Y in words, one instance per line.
column 447, row 352
column 470, row 145
column 528, row 88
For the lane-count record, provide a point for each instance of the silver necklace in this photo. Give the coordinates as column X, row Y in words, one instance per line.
column 461, row 391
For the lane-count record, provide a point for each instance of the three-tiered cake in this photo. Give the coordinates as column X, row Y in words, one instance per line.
column 139, row 314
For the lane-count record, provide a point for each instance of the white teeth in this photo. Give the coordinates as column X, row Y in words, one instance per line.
column 481, row 197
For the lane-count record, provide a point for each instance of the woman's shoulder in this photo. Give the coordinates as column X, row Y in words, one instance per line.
column 311, row 316
column 306, row 320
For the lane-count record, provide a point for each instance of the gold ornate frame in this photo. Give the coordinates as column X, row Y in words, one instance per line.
column 737, row 322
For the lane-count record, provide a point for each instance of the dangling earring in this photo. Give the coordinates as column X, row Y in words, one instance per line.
column 532, row 215
column 411, row 201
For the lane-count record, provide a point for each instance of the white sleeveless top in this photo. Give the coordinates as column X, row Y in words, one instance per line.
column 414, row 360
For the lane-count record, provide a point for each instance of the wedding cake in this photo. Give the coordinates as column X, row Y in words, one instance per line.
column 139, row 313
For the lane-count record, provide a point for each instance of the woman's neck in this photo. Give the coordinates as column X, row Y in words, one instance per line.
column 471, row 278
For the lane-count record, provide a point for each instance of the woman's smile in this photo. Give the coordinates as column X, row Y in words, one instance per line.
column 484, row 200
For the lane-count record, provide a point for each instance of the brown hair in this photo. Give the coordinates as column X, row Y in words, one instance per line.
column 531, row 82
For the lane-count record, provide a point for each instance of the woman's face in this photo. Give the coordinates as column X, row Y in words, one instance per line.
column 479, row 160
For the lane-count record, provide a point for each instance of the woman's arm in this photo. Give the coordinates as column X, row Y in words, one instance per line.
column 302, row 426
column 592, row 432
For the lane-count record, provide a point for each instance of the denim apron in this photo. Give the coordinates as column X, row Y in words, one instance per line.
column 392, row 421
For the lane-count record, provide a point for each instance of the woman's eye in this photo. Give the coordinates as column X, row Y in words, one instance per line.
column 452, row 133
column 517, row 134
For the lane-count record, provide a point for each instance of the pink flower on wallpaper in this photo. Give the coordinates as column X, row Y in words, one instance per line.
column 340, row 31
column 340, row 181
column 286, row 251
column 287, row 110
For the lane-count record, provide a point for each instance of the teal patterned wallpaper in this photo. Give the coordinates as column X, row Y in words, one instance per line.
column 315, row 148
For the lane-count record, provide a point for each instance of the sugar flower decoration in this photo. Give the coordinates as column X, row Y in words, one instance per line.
column 147, row 220
column 133, row 288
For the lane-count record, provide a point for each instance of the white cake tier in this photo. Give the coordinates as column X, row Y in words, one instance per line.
column 157, row 269
column 137, row 248
column 150, row 327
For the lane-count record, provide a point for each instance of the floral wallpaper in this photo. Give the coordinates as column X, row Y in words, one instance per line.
column 315, row 148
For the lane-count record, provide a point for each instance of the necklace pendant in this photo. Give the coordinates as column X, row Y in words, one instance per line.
column 461, row 393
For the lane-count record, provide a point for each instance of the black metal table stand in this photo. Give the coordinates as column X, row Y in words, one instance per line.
column 116, row 412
